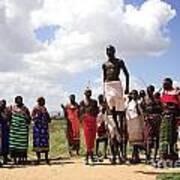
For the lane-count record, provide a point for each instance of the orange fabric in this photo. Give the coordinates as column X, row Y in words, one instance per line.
column 74, row 123
column 89, row 125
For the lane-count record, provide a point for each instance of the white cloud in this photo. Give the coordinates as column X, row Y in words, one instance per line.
column 176, row 83
column 16, row 34
column 13, row 84
column 86, row 27
column 134, row 30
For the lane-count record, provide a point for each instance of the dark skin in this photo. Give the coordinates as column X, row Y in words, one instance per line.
column 101, row 99
column 157, row 96
column 90, row 106
column 1, row 106
column 90, row 103
column 150, row 93
column 142, row 94
column 102, row 102
column 167, row 84
column 104, row 140
column 134, row 94
column 5, row 110
column 135, row 97
column 5, row 116
column 135, row 154
column 72, row 99
column 112, row 69
column 19, row 101
column 20, row 104
column 111, row 72
column 130, row 97
column 4, row 104
column 41, row 102
column 88, row 94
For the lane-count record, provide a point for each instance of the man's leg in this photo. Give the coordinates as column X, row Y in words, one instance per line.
column 105, row 147
column 114, row 144
column 113, row 150
column 46, row 157
column 125, row 139
column 87, row 158
column 93, row 159
column 118, row 137
column 97, row 147
column 137, row 158
column 70, row 148
column 156, row 147
column 77, row 149
column 38, row 154
column 5, row 158
column 135, row 155
column 148, row 153
column 112, row 118
column 119, row 101
column 121, row 130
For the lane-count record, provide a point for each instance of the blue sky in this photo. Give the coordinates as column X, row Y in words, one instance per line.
column 46, row 33
column 154, row 69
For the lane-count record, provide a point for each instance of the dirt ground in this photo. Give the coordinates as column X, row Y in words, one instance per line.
column 75, row 169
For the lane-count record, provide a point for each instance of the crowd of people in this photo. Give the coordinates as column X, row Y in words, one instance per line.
column 146, row 120
column 149, row 124
column 14, row 130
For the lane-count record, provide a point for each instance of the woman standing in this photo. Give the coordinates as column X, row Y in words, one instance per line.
column 5, row 117
column 41, row 120
column 102, row 132
column 168, row 131
column 73, row 124
column 89, row 111
column 18, row 137
column 135, row 125
column 152, row 115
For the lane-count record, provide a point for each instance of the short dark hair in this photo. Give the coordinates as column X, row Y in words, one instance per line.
column 111, row 48
column 72, row 95
column 169, row 80
column 142, row 93
column 100, row 96
column 134, row 91
column 40, row 99
column 18, row 97
column 151, row 88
